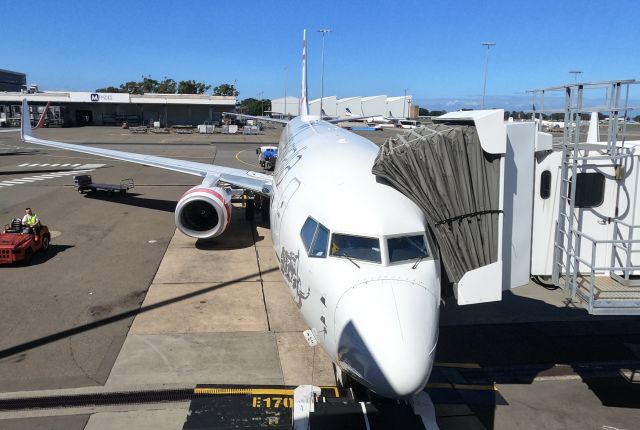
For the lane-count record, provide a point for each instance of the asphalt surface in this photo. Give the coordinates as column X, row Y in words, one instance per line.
column 105, row 251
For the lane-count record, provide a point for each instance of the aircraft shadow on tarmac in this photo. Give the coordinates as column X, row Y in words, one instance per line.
column 240, row 234
column 236, row 236
column 31, row 172
column 562, row 342
column 19, row 152
column 133, row 199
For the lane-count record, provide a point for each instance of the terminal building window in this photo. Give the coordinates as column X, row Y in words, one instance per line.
column 315, row 237
column 589, row 190
column 356, row 247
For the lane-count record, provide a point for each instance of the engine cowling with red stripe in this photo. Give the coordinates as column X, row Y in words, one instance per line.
column 204, row 212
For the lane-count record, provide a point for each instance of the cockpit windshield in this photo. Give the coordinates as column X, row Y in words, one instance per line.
column 406, row 248
column 356, row 247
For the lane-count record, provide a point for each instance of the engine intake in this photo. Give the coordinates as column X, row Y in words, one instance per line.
column 203, row 213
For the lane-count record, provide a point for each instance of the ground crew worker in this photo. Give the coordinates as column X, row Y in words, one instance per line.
column 31, row 220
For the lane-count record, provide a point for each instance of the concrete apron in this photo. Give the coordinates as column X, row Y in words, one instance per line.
column 218, row 312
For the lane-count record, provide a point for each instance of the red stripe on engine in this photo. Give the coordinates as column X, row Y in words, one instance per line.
column 213, row 193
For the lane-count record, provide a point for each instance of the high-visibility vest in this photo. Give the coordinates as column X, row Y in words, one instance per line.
column 32, row 219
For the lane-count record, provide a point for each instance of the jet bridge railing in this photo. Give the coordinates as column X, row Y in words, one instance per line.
column 624, row 247
column 601, row 297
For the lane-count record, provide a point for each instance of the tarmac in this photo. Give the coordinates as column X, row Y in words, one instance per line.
column 125, row 302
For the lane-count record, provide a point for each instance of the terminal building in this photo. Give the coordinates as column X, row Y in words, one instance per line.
column 86, row 108
column 380, row 105
column 68, row 108
column 12, row 81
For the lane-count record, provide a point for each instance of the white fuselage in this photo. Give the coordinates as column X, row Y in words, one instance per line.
column 378, row 321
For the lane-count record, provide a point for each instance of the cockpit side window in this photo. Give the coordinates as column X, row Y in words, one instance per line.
column 308, row 232
column 406, row 248
column 357, row 247
column 319, row 248
column 315, row 237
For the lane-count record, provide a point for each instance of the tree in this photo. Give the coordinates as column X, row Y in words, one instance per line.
column 109, row 89
column 167, row 86
column 192, row 87
column 131, row 87
column 255, row 107
column 225, row 90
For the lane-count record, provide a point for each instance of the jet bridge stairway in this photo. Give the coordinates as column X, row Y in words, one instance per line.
column 612, row 288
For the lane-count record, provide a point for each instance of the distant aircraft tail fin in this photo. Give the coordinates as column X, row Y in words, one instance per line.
column 593, row 135
column 304, row 101
column 25, row 119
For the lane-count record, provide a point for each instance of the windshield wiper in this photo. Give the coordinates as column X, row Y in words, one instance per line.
column 417, row 261
column 350, row 259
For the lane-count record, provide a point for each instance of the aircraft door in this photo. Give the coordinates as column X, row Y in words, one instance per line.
column 279, row 210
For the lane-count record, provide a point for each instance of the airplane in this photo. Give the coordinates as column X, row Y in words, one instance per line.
column 352, row 250
column 371, row 119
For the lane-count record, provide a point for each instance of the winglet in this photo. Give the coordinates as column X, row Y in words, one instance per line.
column 593, row 135
column 25, row 119
column 304, row 101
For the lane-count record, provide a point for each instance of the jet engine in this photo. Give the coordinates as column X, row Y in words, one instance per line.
column 203, row 212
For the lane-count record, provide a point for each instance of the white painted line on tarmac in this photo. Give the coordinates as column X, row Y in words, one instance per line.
column 33, row 165
column 54, row 165
column 557, row 378
column 45, row 164
column 23, row 164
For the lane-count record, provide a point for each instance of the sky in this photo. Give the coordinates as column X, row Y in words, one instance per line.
column 431, row 49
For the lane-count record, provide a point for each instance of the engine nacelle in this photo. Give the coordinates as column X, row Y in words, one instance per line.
column 204, row 212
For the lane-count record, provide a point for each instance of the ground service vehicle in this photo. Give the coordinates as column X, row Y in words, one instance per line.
column 18, row 243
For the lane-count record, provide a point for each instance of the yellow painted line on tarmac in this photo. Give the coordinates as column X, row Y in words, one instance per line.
column 474, row 387
column 244, row 162
column 244, row 391
column 457, row 365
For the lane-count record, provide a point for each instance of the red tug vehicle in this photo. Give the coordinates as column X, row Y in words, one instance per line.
column 18, row 243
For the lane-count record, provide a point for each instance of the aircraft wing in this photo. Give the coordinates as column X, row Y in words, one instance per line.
column 247, row 179
column 260, row 118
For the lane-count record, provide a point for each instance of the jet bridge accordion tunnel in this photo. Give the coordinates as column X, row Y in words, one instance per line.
column 455, row 171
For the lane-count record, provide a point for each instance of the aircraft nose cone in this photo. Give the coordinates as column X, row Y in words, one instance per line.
column 387, row 331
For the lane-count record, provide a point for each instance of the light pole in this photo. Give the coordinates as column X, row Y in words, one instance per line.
column 575, row 74
column 404, row 103
column 260, row 94
column 486, row 67
column 285, row 92
column 323, row 31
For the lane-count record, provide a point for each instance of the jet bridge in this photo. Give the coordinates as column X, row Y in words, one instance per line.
column 591, row 247
column 504, row 203
column 472, row 175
